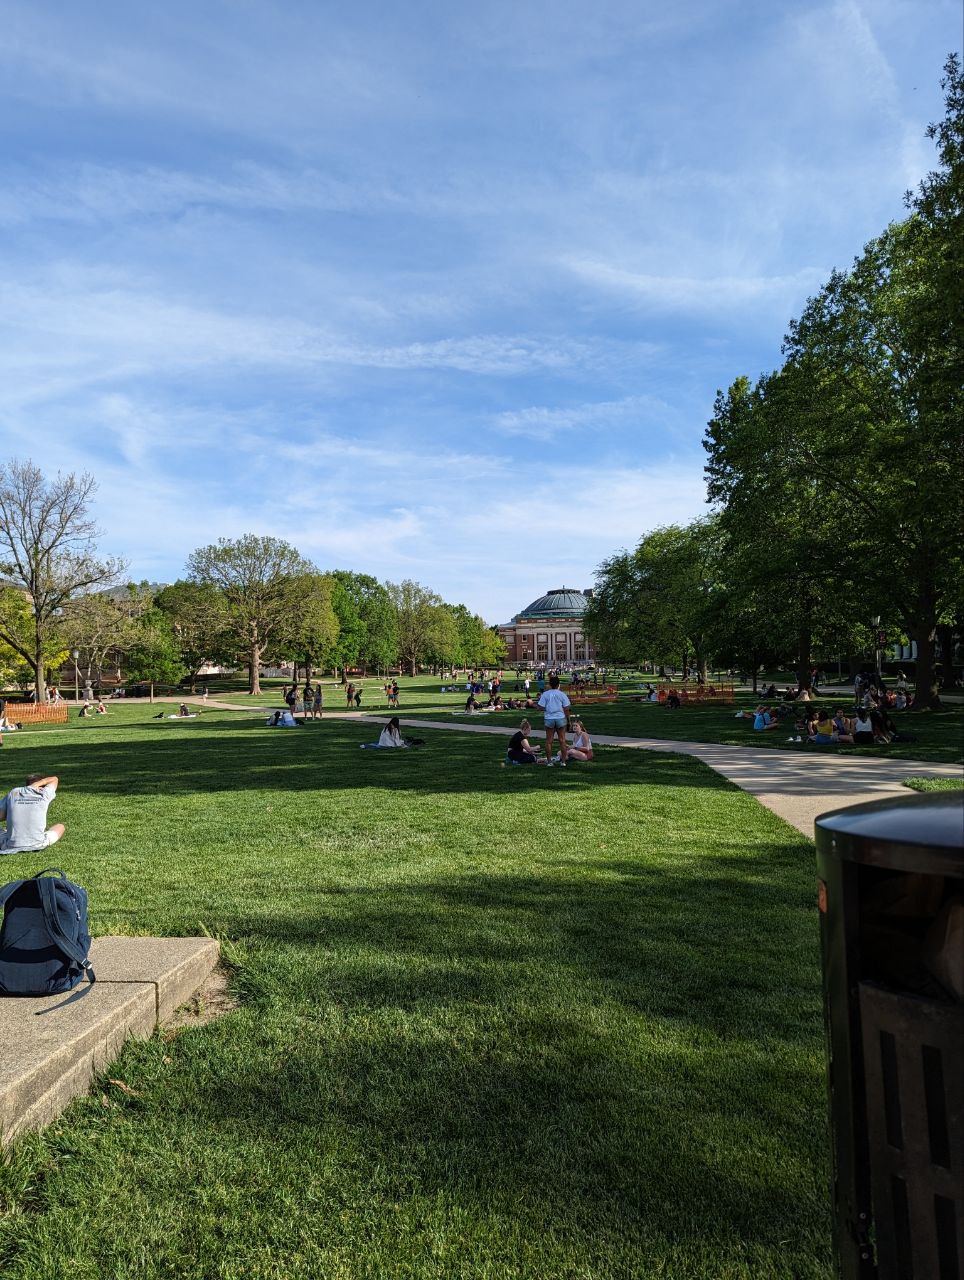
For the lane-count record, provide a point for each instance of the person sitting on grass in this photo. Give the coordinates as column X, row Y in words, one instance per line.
column 581, row 747
column 101, row 709
column 763, row 720
column 470, row 703
column 673, row 702
column 809, row 723
column 24, row 810
column 900, row 700
column 86, row 711
column 391, row 736
column 863, row 731
column 843, row 726
column 825, row 730
column 520, row 750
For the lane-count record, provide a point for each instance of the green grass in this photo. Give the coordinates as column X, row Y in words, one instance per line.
column 936, row 735
column 493, row 1023
column 935, row 784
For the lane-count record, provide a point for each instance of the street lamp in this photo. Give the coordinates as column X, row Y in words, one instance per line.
column 875, row 622
column 76, row 655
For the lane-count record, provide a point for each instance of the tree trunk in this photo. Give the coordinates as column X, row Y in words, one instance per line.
column 413, row 666
column 152, row 691
column 926, row 693
column 254, row 669
column 756, row 673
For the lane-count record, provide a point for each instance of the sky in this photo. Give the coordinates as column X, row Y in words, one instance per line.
column 432, row 290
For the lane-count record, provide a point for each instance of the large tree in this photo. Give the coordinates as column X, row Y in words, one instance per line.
column 102, row 625
column 153, row 656
column 200, row 621
column 416, row 621
column 48, row 554
column 258, row 578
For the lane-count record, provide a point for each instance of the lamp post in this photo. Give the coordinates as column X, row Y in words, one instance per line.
column 875, row 622
column 76, row 655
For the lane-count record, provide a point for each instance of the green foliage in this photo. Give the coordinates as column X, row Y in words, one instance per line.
column 154, row 655
column 200, row 621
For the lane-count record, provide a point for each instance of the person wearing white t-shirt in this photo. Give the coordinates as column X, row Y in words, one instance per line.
column 24, row 809
column 555, row 707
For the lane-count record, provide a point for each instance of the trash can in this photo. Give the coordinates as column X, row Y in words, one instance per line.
column 891, row 899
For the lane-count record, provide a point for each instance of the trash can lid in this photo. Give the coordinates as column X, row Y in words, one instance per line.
column 917, row 833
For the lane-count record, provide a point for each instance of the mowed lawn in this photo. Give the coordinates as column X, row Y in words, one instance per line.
column 932, row 735
column 493, row 1022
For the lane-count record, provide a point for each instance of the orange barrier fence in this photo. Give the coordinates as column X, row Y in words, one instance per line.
column 593, row 695
column 37, row 712
column 699, row 693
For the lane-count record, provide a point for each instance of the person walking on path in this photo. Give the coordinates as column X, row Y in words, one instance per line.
column 555, row 707
column 24, row 809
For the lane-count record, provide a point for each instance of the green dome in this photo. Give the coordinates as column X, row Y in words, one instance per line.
column 563, row 602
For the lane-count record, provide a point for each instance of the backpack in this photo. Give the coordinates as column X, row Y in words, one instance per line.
column 44, row 940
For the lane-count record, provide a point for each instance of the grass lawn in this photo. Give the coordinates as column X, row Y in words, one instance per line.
column 934, row 784
column 493, row 1022
column 937, row 735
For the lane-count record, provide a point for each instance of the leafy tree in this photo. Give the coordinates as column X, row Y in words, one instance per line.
column 314, row 625
column 368, row 633
column 200, row 621
column 416, row 621
column 102, row 624
column 154, row 655
column 258, row 578
column 48, row 555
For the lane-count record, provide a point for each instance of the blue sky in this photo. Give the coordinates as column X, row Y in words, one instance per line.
column 432, row 290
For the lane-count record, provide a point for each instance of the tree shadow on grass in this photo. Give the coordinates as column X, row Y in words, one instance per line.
column 628, row 1049
column 234, row 758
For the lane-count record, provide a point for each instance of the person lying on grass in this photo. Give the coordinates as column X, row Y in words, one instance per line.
column 763, row 720
column 24, row 809
column 282, row 720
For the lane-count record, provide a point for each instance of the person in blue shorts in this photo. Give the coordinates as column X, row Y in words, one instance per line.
column 555, row 707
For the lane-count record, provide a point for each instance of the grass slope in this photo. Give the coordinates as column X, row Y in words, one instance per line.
column 495, row 1022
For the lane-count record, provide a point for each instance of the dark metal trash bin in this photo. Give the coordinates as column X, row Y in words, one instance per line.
column 891, row 896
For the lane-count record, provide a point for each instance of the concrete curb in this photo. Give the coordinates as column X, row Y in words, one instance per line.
column 51, row 1047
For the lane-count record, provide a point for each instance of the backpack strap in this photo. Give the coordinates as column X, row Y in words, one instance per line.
column 9, row 890
column 52, row 920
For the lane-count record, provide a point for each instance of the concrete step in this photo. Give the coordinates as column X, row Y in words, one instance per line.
column 52, row 1047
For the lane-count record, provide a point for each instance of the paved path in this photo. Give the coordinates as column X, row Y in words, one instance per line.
column 796, row 785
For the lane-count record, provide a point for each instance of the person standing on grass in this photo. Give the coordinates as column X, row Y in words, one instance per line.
column 555, row 707
column 358, row 693
column 317, row 707
column 291, row 698
column 349, row 695
column 307, row 696
column 24, row 809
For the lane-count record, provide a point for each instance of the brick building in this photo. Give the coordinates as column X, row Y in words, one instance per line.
column 550, row 630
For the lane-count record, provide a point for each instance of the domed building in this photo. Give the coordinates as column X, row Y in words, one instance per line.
column 550, row 630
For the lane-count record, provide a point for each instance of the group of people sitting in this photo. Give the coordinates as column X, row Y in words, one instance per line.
column 497, row 703
column 88, row 710
column 521, row 750
column 866, row 727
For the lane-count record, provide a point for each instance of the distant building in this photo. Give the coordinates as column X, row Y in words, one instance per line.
column 550, row 630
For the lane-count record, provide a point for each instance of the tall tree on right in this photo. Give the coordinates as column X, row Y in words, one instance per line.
column 258, row 577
